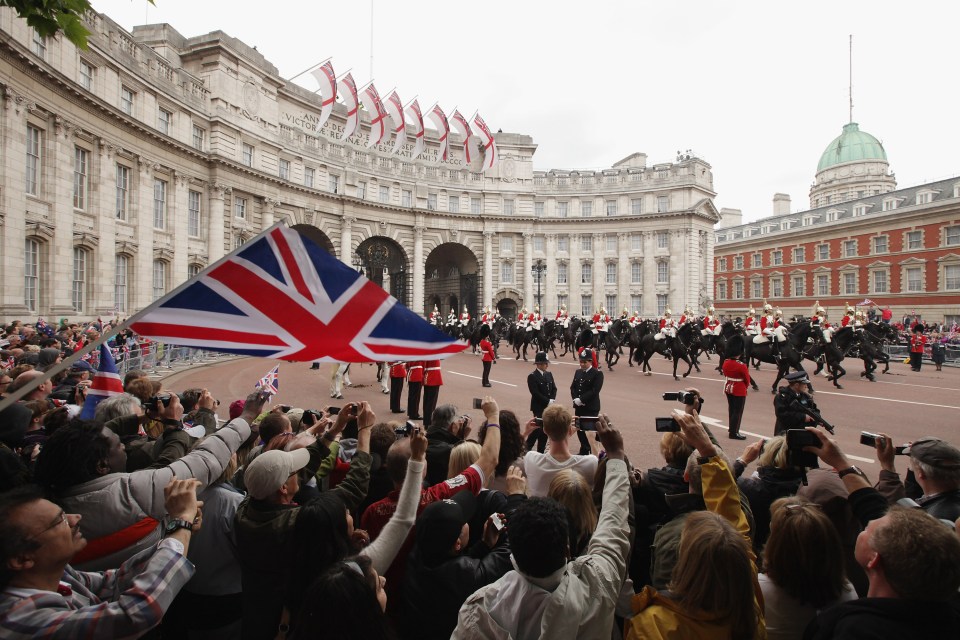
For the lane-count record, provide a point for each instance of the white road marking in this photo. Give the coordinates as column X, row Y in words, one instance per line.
column 467, row 375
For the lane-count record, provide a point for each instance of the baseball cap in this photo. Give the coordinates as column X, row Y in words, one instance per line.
column 82, row 365
column 934, row 452
column 236, row 408
column 440, row 524
column 270, row 470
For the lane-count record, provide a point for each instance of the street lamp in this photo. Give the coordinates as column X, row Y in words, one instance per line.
column 537, row 270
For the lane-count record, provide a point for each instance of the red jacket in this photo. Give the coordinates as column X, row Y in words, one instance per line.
column 738, row 377
column 398, row 370
column 416, row 372
column 487, row 347
column 431, row 373
column 917, row 342
column 846, row 320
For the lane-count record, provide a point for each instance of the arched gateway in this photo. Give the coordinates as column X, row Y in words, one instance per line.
column 451, row 277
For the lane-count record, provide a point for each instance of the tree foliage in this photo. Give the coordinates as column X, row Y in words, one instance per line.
column 49, row 17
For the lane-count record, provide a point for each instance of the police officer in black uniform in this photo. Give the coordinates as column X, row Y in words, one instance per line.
column 790, row 401
column 585, row 391
column 543, row 391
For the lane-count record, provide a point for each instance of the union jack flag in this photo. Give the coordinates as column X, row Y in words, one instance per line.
column 106, row 383
column 281, row 296
column 270, row 382
column 44, row 328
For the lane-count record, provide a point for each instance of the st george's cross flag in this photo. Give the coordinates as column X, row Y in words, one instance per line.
column 490, row 157
column 379, row 131
column 461, row 126
column 281, row 296
column 348, row 93
column 394, row 108
column 439, row 119
column 270, row 382
column 413, row 110
column 327, row 80
column 106, row 383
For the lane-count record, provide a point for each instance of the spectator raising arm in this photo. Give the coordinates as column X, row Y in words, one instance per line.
column 490, row 454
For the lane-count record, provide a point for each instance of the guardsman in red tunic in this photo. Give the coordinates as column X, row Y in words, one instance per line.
column 415, row 382
column 848, row 318
column 432, row 381
column 398, row 372
column 917, row 343
column 489, row 355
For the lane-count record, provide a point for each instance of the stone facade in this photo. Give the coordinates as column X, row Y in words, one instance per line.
column 133, row 165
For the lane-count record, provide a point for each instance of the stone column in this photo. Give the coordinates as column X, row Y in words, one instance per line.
column 103, row 183
column 599, row 271
column 141, row 285
column 268, row 217
column 573, row 276
column 550, row 277
column 177, row 226
column 623, row 271
column 13, row 227
column 649, row 301
column 346, row 239
column 529, row 298
column 487, row 270
column 59, row 192
column 218, row 214
column 418, row 274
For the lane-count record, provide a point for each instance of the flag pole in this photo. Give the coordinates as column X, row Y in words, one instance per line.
column 414, row 99
column 25, row 390
column 308, row 69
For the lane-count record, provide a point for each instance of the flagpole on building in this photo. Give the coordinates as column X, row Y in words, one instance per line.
column 309, row 69
column 68, row 362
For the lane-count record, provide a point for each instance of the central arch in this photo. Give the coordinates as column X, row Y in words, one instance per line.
column 451, row 280
column 318, row 237
column 383, row 262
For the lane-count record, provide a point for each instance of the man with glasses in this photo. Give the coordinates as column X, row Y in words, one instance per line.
column 41, row 594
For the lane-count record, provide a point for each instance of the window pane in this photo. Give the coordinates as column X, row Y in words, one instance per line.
column 31, row 274
column 159, row 279
column 562, row 273
column 611, row 273
column 636, row 273
column 123, row 194
column 79, row 278
column 80, row 178
column 586, row 305
column 663, row 273
column 33, row 161
column 159, row 204
column 586, row 209
column 586, row 274
column 193, row 214
column 120, row 285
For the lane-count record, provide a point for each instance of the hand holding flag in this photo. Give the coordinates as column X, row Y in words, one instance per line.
column 106, row 383
column 270, row 383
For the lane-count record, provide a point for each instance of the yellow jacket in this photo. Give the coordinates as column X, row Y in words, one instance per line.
column 658, row 617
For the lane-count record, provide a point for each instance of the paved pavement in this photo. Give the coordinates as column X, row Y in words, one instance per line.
column 904, row 404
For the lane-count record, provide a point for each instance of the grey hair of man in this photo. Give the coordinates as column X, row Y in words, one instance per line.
column 443, row 416
column 122, row 404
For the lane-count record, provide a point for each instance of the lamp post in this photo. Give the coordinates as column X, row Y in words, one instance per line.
column 537, row 270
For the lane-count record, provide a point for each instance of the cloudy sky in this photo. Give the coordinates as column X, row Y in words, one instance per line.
column 757, row 88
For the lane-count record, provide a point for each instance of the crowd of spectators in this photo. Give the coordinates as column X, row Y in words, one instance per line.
column 154, row 520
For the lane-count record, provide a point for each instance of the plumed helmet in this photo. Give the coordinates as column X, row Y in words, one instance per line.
column 625, row 310
column 435, row 309
column 767, row 307
column 537, row 308
column 602, row 310
column 849, row 309
column 859, row 313
column 563, row 307
column 821, row 311
column 465, row 309
column 752, row 311
column 523, row 310
column 710, row 309
column 779, row 313
column 667, row 312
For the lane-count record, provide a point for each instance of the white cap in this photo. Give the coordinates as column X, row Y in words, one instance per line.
column 269, row 471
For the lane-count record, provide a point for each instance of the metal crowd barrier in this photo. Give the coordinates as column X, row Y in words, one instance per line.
column 902, row 352
column 159, row 358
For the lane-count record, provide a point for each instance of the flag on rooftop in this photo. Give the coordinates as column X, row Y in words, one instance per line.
column 106, row 383
column 439, row 118
column 394, row 107
column 348, row 91
column 327, row 80
column 490, row 151
column 270, row 382
column 414, row 111
column 378, row 116
column 281, row 296
column 461, row 126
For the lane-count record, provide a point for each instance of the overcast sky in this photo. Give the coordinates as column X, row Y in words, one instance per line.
column 756, row 88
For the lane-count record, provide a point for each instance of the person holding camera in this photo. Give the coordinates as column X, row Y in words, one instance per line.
column 793, row 405
column 447, row 428
column 585, row 391
column 543, row 391
column 933, row 479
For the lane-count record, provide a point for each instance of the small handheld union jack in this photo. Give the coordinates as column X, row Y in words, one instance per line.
column 270, row 382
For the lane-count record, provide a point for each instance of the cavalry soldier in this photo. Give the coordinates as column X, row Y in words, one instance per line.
column 819, row 319
column 601, row 321
column 522, row 318
column 435, row 315
column 668, row 326
column 562, row 316
column 488, row 317
column 535, row 320
column 464, row 317
column 751, row 325
column 452, row 317
column 711, row 323
column 768, row 325
column 687, row 315
column 635, row 319
column 624, row 314
column 848, row 318
column 858, row 321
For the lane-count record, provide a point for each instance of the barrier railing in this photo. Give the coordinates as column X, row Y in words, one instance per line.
column 159, row 358
column 902, row 352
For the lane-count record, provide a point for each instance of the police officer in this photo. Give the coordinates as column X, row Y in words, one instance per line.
column 585, row 391
column 543, row 391
column 785, row 404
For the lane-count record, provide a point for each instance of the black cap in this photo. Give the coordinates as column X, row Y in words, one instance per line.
column 541, row 358
column 586, row 354
column 440, row 524
column 797, row 376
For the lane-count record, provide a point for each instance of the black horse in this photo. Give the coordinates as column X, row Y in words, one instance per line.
column 677, row 348
column 828, row 354
column 789, row 352
column 570, row 334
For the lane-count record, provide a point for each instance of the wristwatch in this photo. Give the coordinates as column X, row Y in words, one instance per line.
column 177, row 523
column 854, row 470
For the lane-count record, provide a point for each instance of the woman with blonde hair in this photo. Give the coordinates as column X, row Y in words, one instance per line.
column 570, row 489
column 462, row 455
column 775, row 478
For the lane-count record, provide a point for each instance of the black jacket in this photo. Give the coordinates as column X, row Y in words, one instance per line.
column 788, row 415
column 542, row 390
column 869, row 618
column 586, row 386
column 439, row 444
column 771, row 483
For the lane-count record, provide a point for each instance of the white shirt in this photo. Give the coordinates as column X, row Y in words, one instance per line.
column 785, row 617
column 542, row 467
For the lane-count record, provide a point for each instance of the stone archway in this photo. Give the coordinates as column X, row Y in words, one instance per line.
column 318, row 237
column 450, row 274
column 383, row 262
column 507, row 301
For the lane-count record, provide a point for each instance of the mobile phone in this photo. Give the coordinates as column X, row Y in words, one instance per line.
column 355, row 410
column 870, row 439
column 588, row 423
column 797, row 439
column 333, row 410
column 497, row 521
column 477, row 403
column 666, row 425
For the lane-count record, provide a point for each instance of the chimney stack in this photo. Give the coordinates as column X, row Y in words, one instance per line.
column 781, row 204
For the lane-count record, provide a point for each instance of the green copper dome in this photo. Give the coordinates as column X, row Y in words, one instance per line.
column 852, row 145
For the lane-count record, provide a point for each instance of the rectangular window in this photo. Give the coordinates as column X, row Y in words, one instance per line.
column 432, row 202
column 611, row 207
column 123, row 191
column 738, row 290
column 823, row 252
column 721, row 291
column 453, row 203
column 561, row 301
column 406, row 198
column 333, row 183
column 362, row 190
column 636, row 242
column 34, row 138
column 777, row 257
column 586, row 243
column 199, row 138
column 663, row 204
column 586, row 274
column 611, row 300
column 636, row 206
column 586, row 305
column 506, row 243
column 611, row 243
column 849, row 248
column 737, row 263
column 586, row 208
column 951, row 277
column 663, row 240
column 247, row 154
column 385, row 197
column 661, row 303
column 159, row 204
column 951, row 236
column 79, row 285
column 563, row 243
column 776, row 288
column 193, row 214
column 127, row 97
column 240, row 208
column 38, row 45
column 636, row 273
column 538, row 209
column 80, row 157
column 849, row 283
column 880, row 244
column 914, row 279
column 914, row 240
column 506, row 272
column 635, row 303
column 164, row 118
column 475, row 206
column 757, row 260
column 799, row 255
column 159, row 279
column 120, row 284
column 611, row 273
column 879, row 281
column 798, row 288
column 508, row 206
column 757, row 289
column 31, row 274
column 562, row 273
column 284, row 169
column 663, row 273
column 562, row 209
column 538, row 243
column 309, row 177
column 86, row 75
column 823, row 285
column 722, row 264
